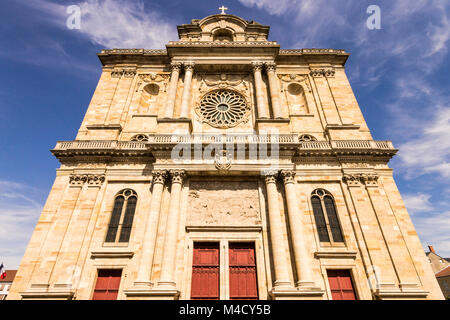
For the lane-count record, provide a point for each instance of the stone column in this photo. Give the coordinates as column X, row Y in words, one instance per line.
column 302, row 263
column 260, row 101
column 280, row 261
column 188, row 71
column 170, row 106
column 151, row 230
column 167, row 279
column 274, row 90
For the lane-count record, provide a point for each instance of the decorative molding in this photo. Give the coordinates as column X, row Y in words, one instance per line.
column 223, row 203
column 306, row 137
column 335, row 255
column 223, row 228
column 50, row 295
column 223, row 160
column 112, row 254
column 140, row 137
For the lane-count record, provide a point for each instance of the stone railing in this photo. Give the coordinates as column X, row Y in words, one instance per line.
column 347, row 144
column 284, row 140
column 314, row 51
column 99, row 145
column 229, row 138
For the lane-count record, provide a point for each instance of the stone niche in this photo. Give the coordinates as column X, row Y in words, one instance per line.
column 225, row 203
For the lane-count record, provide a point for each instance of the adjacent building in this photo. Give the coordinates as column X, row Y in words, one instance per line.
column 441, row 268
column 224, row 167
column 5, row 283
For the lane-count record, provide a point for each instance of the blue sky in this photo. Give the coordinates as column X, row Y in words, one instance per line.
column 400, row 76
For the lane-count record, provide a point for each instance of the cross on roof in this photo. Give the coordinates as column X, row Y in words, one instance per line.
column 223, row 9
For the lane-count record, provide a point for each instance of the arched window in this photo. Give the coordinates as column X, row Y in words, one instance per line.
column 121, row 221
column 325, row 216
column 223, row 35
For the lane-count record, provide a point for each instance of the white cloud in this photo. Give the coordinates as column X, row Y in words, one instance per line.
column 19, row 214
column 417, row 203
column 434, row 229
column 120, row 24
column 111, row 23
column 430, row 151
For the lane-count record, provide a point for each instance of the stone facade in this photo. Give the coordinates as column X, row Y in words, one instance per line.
column 260, row 131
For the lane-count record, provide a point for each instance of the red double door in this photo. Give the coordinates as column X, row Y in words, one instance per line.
column 206, row 272
column 341, row 285
column 107, row 286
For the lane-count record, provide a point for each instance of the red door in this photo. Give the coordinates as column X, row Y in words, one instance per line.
column 243, row 284
column 341, row 285
column 205, row 272
column 107, row 285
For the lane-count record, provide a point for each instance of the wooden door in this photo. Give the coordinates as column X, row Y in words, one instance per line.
column 205, row 272
column 243, row 281
column 107, row 286
column 341, row 285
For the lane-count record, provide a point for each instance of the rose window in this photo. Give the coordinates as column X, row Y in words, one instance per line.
column 223, row 108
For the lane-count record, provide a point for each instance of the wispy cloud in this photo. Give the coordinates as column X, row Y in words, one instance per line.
column 19, row 213
column 112, row 23
column 430, row 151
column 434, row 229
column 418, row 202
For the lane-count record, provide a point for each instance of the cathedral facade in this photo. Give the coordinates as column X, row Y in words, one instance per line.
column 224, row 167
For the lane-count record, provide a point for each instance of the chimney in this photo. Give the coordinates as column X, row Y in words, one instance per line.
column 431, row 249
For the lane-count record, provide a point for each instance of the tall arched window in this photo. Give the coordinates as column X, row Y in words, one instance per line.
column 325, row 216
column 121, row 221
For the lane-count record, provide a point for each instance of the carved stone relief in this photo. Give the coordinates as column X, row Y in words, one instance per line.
column 225, row 203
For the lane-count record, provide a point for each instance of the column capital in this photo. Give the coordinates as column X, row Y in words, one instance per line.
column 77, row 179
column 288, row 176
column 95, row 179
column 257, row 66
column 159, row 176
column 270, row 66
column 271, row 176
column 369, row 179
column 177, row 175
column 176, row 66
column 189, row 66
column 90, row 179
column 352, row 180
